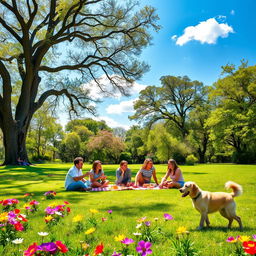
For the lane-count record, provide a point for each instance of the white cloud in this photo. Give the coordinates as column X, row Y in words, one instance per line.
column 111, row 122
column 106, row 89
column 174, row 37
column 232, row 12
column 205, row 32
column 122, row 107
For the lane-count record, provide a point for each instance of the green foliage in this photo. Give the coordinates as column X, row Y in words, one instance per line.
column 191, row 160
column 232, row 121
column 70, row 147
column 164, row 145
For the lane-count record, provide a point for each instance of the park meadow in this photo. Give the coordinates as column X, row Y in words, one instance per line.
column 99, row 218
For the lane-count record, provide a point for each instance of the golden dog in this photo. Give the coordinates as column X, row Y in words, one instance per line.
column 207, row 202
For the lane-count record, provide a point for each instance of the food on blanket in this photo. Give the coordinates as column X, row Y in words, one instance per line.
column 114, row 187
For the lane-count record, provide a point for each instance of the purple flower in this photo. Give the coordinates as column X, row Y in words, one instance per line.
column 127, row 241
column 254, row 237
column 110, row 211
column 168, row 216
column 50, row 210
column 144, row 248
column 147, row 223
column 11, row 214
column 48, row 247
column 116, row 254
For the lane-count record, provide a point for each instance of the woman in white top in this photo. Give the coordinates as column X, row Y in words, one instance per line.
column 175, row 174
column 144, row 175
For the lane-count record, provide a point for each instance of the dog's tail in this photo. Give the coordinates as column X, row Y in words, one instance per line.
column 237, row 189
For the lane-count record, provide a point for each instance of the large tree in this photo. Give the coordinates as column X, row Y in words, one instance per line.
column 40, row 38
column 171, row 102
column 233, row 121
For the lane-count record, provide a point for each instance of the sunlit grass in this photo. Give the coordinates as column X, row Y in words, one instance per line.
column 128, row 206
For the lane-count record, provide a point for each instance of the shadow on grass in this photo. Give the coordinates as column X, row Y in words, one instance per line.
column 138, row 210
column 222, row 229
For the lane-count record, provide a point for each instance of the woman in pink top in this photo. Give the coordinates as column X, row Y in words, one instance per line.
column 175, row 174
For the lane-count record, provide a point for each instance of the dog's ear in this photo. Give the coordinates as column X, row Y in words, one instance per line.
column 193, row 190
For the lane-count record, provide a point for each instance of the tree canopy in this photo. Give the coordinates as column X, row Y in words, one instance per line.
column 77, row 41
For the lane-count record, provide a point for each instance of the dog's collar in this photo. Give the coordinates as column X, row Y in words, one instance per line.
column 199, row 194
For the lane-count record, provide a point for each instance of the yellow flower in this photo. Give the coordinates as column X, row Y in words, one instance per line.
column 90, row 231
column 181, row 230
column 119, row 238
column 85, row 246
column 244, row 238
column 93, row 211
column 77, row 218
column 26, row 205
column 48, row 218
column 53, row 205
column 3, row 217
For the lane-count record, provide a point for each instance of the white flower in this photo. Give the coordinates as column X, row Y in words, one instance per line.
column 58, row 213
column 139, row 225
column 18, row 241
column 43, row 233
column 137, row 234
column 22, row 215
column 156, row 219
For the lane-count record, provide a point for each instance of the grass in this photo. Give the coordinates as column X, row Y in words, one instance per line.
column 128, row 206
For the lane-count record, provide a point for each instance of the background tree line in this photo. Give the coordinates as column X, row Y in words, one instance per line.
column 181, row 119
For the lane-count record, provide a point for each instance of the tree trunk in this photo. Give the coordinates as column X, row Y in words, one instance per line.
column 14, row 143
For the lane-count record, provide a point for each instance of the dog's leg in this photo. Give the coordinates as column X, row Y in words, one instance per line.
column 230, row 222
column 238, row 219
column 207, row 221
column 202, row 220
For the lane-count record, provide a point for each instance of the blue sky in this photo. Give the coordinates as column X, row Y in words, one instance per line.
column 196, row 39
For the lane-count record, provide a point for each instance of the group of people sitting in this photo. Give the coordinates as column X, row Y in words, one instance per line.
column 75, row 179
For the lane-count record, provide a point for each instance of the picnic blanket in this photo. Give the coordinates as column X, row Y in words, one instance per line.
column 121, row 188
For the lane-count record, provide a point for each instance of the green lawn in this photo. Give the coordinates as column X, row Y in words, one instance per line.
column 128, row 206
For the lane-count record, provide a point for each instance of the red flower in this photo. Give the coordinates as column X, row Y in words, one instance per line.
column 66, row 202
column 19, row 226
column 250, row 247
column 16, row 211
column 22, row 218
column 62, row 247
column 68, row 209
column 31, row 250
column 99, row 249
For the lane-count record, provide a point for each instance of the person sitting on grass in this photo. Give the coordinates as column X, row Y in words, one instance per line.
column 75, row 178
column 174, row 172
column 97, row 177
column 144, row 175
column 123, row 174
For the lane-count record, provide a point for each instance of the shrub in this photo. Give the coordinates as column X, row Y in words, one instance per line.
column 191, row 160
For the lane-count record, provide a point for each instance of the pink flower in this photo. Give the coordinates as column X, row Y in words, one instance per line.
column 168, row 216
column 31, row 250
column 231, row 239
column 110, row 211
column 144, row 248
column 103, row 219
column 127, row 241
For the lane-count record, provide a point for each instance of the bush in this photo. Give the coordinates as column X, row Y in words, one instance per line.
column 179, row 158
column 191, row 160
column 127, row 156
column 41, row 158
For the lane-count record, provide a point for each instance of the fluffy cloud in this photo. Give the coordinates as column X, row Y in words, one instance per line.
column 106, row 89
column 205, row 32
column 122, row 107
column 111, row 122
